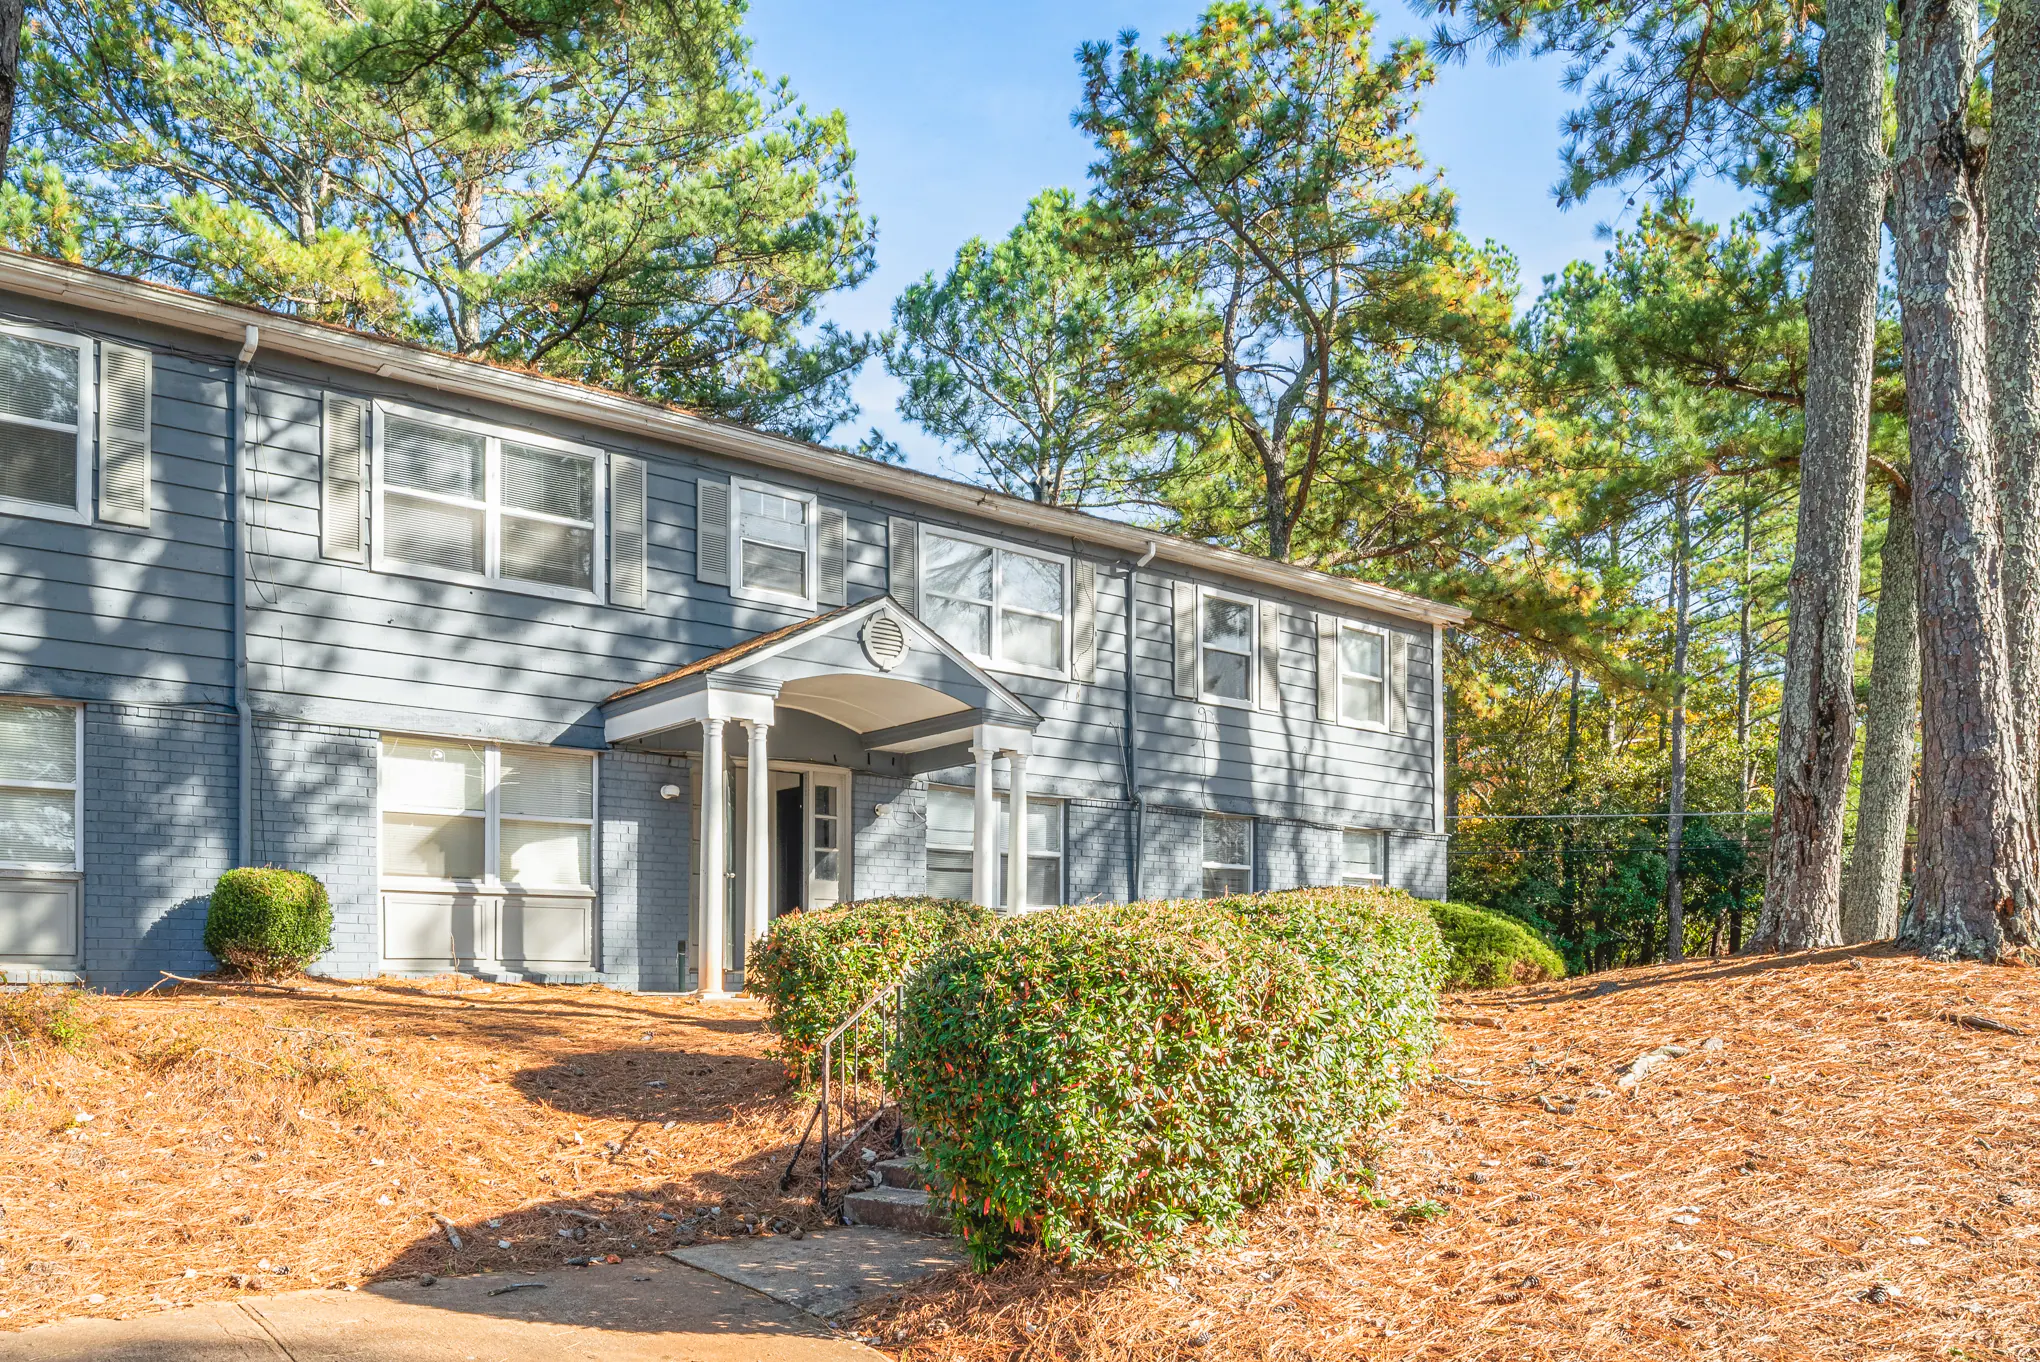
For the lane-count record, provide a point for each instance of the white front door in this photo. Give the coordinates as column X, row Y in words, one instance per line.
column 828, row 837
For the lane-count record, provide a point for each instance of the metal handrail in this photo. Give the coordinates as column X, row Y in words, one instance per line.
column 853, row 1103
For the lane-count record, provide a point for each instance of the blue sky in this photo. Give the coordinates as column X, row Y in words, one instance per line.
column 960, row 113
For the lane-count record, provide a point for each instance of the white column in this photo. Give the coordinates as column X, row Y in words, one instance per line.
column 984, row 841
column 715, row 800
column 758, row 857
column 1016, row 833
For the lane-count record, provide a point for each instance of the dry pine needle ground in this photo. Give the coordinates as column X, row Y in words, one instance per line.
column 198, row 1143
column 1850, row 1174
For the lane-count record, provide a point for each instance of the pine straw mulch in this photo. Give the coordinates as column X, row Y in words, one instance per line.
column 1851, row 1174
column 196, row 1143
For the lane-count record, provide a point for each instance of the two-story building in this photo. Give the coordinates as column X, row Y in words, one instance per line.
column 550, row 682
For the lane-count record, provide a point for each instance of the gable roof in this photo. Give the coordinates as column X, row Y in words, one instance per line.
column 237, row 323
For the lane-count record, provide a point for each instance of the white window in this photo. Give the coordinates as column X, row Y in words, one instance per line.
column 997, row 605
column 775, row 536
column 478, row 813
column 46, row 413
column 951, row 838
column 1363, row 676
column 1366, row 857
column 487, row 506
column 1226, row 631
column 1228, row 855
column 39, row 785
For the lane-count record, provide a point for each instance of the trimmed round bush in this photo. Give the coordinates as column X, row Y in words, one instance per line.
column 815, row 969
column 1097, row 1079
column 267, row 922
column 1493, row 950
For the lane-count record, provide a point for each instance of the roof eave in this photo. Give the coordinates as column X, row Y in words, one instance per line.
column 99, row 291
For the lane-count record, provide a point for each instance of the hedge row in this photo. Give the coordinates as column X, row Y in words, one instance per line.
column 815, row 969
column 1491, row 950
column 1100, row 1078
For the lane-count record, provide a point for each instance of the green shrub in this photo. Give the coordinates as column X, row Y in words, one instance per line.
column 815, row 969
column 1492, row 950
column 1099, row 1078
column 268, row 923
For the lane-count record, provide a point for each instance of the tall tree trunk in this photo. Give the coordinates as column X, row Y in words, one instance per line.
column 1816, row 716
column 1974, row 891
column 1870, row 893
column 2012, row 349
column 1675, row 804
column 1745, row 763
column 10, row 64
column 1568, row 865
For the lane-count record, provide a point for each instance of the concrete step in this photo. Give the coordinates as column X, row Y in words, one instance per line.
column 913, row 1174
column 898, row 1208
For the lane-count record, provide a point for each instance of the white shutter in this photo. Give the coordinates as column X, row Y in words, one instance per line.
column 343, row 479
column 1186, row 639
column 832, row 531
column 1398, row 683
column 712, row 531
column 1328, row 669
column 903, row 562
column 628, row 497
column 126, row 382
column 1271, row 657
column 1084, row 621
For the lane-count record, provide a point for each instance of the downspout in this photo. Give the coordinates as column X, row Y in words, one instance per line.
column 1136, row 801
column 244, row 845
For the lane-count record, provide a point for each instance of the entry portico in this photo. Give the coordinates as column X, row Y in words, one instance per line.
column 867, row 679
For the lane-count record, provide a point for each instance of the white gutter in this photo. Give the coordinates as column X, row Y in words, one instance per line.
column 100, row 292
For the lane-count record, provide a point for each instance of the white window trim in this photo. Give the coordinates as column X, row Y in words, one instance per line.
column 76, row 786
column 1205, row 866
column 492, row 508
column 492, row 882
column 1339, row 674
column 741, row 590
column 1001, row 803
column 79, row 513
column 1345, row 878
column 993, row 662
column 1205, row 594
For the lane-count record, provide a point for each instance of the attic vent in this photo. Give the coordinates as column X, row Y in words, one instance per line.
column 885, row 643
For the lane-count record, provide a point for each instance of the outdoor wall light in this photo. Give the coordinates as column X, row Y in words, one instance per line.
column 669, row 792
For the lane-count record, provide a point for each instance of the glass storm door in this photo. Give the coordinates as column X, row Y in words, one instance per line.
column 828, row 809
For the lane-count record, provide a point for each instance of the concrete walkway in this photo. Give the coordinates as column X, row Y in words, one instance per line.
column 644, row 1310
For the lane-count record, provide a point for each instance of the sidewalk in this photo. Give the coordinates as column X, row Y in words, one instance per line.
column 645, row 1310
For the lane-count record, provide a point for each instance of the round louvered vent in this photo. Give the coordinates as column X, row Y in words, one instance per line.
column 885, row 642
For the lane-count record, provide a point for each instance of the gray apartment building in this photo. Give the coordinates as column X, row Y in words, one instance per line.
column 546, row 682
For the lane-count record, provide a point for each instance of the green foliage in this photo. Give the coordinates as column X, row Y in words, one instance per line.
column 815, row 969
column 44, row 1014
column 1490, row 950
column 268, row 923
column 1265, row 161
column 1100, row 1078
column 1048, row 366
column 603, row 189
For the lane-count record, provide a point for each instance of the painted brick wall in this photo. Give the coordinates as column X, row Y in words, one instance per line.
column 642, row 929
column 159, row 830
column 1094, row 845
column 1292, row 855
column 1416, row 862
column 1172, row 852
column 315, row 811
column 888, row 855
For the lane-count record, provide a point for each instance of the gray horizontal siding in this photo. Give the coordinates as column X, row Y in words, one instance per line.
column 103, row 612
column 129, row 613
